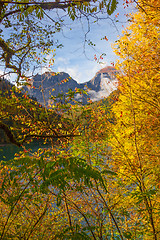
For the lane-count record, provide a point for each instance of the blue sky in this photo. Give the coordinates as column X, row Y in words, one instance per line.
column 77, row 60
column 82, row 66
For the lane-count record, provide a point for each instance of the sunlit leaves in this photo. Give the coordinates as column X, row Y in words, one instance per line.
column 99, row 177
column 48, row 180
column 135, row 137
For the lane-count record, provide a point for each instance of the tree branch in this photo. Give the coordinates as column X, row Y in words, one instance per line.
column 48, row 5
column 19, row 143
column 9, row 134
column 10, row 13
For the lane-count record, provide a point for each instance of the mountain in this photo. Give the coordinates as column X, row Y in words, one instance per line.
column 103, row 83
column 42, row 86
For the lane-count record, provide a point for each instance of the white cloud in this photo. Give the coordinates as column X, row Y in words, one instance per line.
column 82, row 72
column 8, row 77
column 1, row 73
column 61, row 60
column 74, row 71
column 105, row 91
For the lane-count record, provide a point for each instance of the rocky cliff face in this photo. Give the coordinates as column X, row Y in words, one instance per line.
column 49, row 84
column 103, row 83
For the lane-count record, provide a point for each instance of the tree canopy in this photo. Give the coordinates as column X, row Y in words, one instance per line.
column 98, row 177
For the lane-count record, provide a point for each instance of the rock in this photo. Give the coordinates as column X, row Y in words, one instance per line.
column 51, row 84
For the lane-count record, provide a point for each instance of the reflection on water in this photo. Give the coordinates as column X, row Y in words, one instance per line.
column 7, row 151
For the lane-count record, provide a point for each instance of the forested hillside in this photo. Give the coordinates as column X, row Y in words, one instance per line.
column 4, row 87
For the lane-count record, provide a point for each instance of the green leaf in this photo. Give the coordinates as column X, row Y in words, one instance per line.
column 127, row 235
column 111, row 7
column 108, row 172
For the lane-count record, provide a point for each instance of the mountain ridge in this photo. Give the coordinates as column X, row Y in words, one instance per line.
column 99, row 87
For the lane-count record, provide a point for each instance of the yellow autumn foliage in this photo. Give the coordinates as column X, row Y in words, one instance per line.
column 135, row 138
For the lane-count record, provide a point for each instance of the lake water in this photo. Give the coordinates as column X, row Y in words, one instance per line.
column 7, row 151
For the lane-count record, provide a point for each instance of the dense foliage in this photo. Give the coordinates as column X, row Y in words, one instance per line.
column 135, row 137
column 99, row 179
